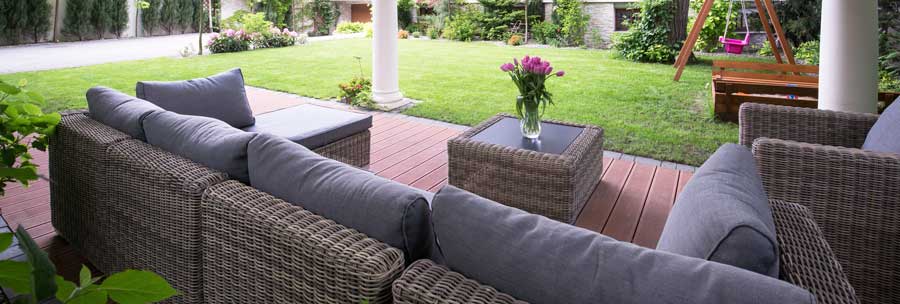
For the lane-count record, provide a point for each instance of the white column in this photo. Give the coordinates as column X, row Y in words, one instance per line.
column 848, row 60
column 385, row 82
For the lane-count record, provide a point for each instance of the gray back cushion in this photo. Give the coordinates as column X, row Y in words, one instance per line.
column 539, row 260
column 885, row 134
column 723, row 215
column 390, row 212
column 119, row 110
column 205, row 140
column 220, row 96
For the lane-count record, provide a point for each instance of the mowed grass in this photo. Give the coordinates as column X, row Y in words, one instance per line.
column 642, row 111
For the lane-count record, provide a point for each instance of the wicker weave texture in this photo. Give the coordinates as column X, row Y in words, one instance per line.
column 854, row 196
column 806, row 260
column 425, row 282
column 259, row 249
column 78, row 162
column 842, row 129
column 556, row 186
column 352, row 150
column 154, row 212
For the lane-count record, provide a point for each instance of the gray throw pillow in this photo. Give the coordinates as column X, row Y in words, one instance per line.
column 220, row 96
column 723, row 215
column 885, row 134
column 539, row 260
column 205, row 140
column 119, row 110
column 390, row 212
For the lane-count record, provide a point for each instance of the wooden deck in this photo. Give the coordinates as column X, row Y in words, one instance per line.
column 631, row 201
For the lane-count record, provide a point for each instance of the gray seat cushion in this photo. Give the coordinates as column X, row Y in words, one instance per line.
column 393, row 213
column 220, row 96
column 310, row 125
column 539, row 260
column 723, row 215
column 885, row 134
column 119, row 110
column 205, row 140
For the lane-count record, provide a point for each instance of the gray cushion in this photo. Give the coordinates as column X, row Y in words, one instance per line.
column 723, row 215
column 119, row 110
column 220, row 96
column 393, row 213
column 205, row 140
column 885, row 134
column 310, row 125
column 539, row 260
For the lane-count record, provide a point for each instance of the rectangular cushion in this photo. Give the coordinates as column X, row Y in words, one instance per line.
column 390, row 212
column 310, row 125
column 885, row 133
column 220, row 96
column 539, row 260
column 205, row 140
column 723, row 215
column 119, row 110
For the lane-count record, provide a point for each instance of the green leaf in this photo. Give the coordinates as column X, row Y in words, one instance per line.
column 16, row 275
column 90, row 295
column 35, row 97
column 43, row 272
column 84, row 277
column 9, row 89
column 137, row 286
column 21, row 174
column 5, row 241
column 65, row 289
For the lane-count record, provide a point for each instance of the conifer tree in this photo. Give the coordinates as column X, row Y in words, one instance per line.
column 38, row 19
column 168, row 16
column 150, row 16
column 118, row 12
column 77, row 22
column 100, row 17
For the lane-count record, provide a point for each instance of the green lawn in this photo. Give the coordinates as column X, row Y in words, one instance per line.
column 641, row 109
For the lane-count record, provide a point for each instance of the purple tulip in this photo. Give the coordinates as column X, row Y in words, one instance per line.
column 506, row 67
column 560, row 73
column 526, row 60
column 536, row 60
column 548, row 70
column 515, row 61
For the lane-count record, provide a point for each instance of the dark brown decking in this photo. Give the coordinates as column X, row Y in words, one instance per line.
column 631, row 202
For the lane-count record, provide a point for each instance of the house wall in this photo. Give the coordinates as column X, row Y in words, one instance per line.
column 601, row 25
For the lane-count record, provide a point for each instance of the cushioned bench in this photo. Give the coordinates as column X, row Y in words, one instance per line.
column 344, row 135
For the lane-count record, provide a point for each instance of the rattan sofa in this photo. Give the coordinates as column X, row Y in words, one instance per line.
column 812, row 157
column 125, row 204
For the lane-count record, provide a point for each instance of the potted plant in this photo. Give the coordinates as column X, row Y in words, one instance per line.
column 529, row 75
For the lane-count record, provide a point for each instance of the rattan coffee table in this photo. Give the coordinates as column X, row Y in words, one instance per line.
column 552, row 176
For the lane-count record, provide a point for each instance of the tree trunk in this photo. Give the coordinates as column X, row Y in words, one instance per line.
column 679, row 21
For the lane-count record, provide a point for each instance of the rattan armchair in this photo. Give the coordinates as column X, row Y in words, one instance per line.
column 813, row 157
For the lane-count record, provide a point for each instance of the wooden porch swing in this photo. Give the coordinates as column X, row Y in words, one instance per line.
column 736, row 82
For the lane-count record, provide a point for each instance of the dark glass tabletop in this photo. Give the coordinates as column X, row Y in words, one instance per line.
column 554, row 138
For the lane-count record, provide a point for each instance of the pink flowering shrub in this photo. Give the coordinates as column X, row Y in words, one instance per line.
column 229, row 41
column 275, row 38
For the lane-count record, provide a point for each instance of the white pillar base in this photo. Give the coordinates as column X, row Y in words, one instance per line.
column 385, row 60
column 387, row 97
column 848, row 68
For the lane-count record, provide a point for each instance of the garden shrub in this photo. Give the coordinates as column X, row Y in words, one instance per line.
column 435, row 25
column 77, row 22
column 464, row 25
column 118, row 14
column 276, row 11
column 546, row 32
column 572, row 21
column 15, row 18
column 357, row 92
column 647, row 39
column 802, row 19
column 185, row 14
column 404, row 12
column 708, row 41
column 101, row 20
column 402, row 34
column 38, row 19
column 514, row 40
column 325, row 14
column 499, row 17
column 416, row 34
column 249, row 23
column 350, row 27
column 808, row 52
column 149, row 15
column 168, row 16
column 274, row 38
column 229, row 41
column 433, row 33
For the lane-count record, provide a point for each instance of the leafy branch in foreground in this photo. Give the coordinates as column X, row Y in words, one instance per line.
column 35, row 280
column 23, row 126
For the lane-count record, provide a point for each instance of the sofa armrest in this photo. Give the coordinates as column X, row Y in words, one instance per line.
column 425, row 282
column 806, row 259
column 260, row 249
column 854, row 197
column 843, row 129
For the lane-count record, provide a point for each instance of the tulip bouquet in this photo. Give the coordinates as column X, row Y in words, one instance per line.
column 529, row 75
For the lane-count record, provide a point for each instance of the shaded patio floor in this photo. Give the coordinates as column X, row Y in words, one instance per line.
column 631, row 201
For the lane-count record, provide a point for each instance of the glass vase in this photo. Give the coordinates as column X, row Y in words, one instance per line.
column 530, row 120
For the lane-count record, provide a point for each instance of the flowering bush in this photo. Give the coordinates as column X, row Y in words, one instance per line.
column 514, row 40
column 274, row 38
column 229, row 41
column 402, row 34
column 357, row 92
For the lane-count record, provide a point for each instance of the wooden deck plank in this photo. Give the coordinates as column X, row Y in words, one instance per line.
column 23, row 215
column 402, row 162
column 432, row 179
column 383, row 151
column 14, row 206
column 418, row 172
column 656, row 209
column 624, row 218
column 683, row 178
column 600, row 205
column 398, row 129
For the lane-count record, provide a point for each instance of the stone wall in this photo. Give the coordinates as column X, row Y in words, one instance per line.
column 344, row 9
column 602, row 24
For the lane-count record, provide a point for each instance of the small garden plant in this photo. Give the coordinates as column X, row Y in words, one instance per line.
column 350, row 27
column 23, row 126
column 357, row 92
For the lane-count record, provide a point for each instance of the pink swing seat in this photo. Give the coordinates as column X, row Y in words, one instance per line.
column 735, row 46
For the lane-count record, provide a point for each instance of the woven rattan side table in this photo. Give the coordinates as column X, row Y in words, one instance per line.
column 552, row 176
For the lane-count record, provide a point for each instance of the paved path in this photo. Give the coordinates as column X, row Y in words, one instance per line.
column 48, row 56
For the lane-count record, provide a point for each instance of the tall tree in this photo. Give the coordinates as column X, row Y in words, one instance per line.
column 16, row 19
column 78, row 18
column 199, row 17
column 185, row 14
column 38, row 19
column 118, row 11
column 801, row 19
column 100, row 18
column 679, row 21
column 150, row 16
column 168, row 17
